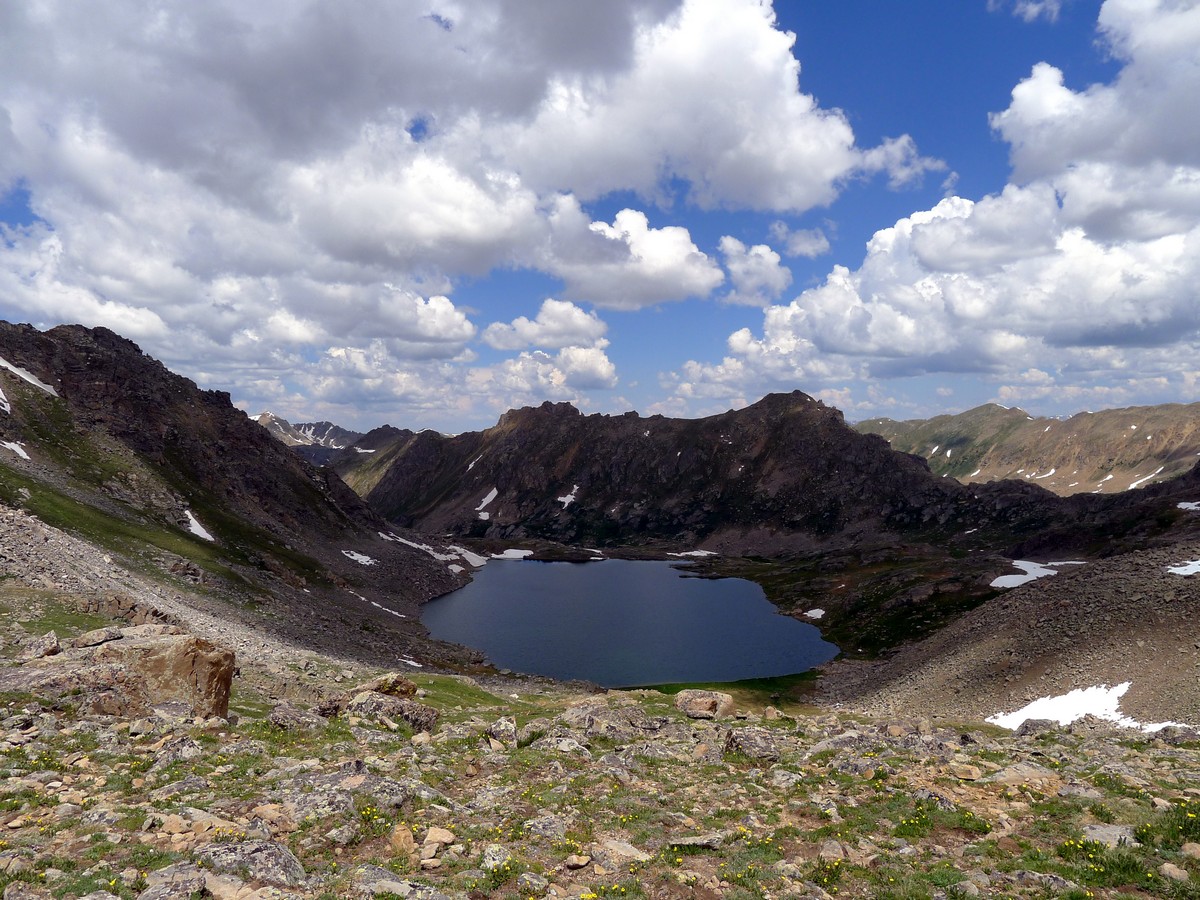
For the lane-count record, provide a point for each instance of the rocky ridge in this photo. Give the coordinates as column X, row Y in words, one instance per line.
column 1105, row 452
column 318, row 442
column 167, row 493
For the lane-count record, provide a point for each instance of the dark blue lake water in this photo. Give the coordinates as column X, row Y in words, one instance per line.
column 621, row 623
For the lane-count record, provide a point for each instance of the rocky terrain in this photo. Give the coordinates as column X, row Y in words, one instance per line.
column 1129, row 618
column 138, row 483
column 784, row 473
column 213, row 680
column 1105, row 452
column 440, row 786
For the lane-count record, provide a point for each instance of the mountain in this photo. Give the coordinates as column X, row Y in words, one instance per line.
column 1103, row 452
column 786, row 472
column 104, row 443
column 318, row 442
column 783, row 492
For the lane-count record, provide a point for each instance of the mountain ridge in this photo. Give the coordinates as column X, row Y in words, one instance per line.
column 1107, row 451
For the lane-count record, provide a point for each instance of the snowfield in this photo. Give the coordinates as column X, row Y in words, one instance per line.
column 27, row 376
column 196, row 528
column 1031, row 571
column 16, row 448
column 1100, row 701
column 491, row 495
column 361, row 558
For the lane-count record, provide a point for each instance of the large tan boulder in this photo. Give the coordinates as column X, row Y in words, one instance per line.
column 176, row 667
column 146, row 666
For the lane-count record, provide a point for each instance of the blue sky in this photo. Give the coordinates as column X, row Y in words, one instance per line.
column 425, row 213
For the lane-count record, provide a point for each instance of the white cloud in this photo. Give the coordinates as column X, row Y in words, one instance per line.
column 711, row 97
column 1030, row 10
column 536, row 375
column 628, row 264
column 757, row 273
column 809, row 243
column 243, row 187
column 559, row 323
column 1082, row 269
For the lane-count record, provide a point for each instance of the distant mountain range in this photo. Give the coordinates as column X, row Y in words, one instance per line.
column 320, row 440
column 1105, row 452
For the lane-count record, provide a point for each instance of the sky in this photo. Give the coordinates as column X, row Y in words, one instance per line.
column 426, row 212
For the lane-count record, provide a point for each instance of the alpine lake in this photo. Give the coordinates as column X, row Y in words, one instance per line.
column 624, row 623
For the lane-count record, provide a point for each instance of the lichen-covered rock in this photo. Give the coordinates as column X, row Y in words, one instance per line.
column 697, row 704
column 265, row 861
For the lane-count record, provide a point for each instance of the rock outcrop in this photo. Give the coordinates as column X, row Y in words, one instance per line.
column 128, row 671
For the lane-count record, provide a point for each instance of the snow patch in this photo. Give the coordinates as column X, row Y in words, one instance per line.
column 196, row 528
column 512, row 553
column 391, row 612
column 1032, row 571
column 471, row 464
column 27, row 376
column 455, row 568
column 569, row 498
column 816, row 613
column 4, row 404
column 411, row 662
column 691, row 553
column 948, row 452
column 1100, row 701
column 361, row 558
column 976, row 472
column 1188, row 568
column 473, row 558
column 1147, row 478
column 1047, row 475
column 491, row 495
column 934, row 450
column 16, row 448
column 362, row 450
column 1189, row 505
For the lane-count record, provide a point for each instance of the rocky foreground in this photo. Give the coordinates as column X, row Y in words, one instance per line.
column 434, row 786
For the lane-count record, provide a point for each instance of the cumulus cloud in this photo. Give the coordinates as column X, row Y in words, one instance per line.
column 809, row 243
column 559, row 323
column 711, row 97
column 537, row 375
column 244, row 187
column 1077, row 280
column 757, row 273
column 626, row 265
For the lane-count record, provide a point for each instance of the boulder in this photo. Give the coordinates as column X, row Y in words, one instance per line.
column 264, row 861
column 128, row 676
column 374, row 705
column 46, row 645
column 754, row 742
column 697, row 704
column 176, row 667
